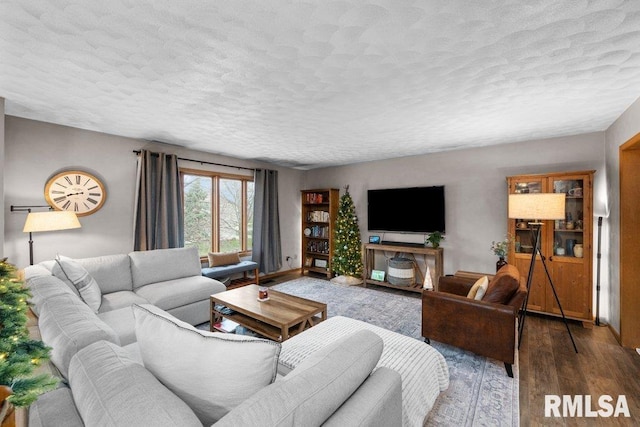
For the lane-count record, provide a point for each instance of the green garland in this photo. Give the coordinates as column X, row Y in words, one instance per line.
column 19, row 355
column 347, row 252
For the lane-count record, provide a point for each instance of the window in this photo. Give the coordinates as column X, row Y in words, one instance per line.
column 218, row 211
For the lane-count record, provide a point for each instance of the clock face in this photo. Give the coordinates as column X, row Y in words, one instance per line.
column 75, row 191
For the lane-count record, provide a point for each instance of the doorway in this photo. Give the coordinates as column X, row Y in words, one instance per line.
column 630, row 242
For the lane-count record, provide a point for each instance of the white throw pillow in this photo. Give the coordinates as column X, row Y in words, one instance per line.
column 479, row 288
column 482, row 289
column 211, row 372
column 75, row 275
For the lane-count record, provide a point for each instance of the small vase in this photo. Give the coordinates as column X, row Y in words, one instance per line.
column 500, row 263
column 578, row 250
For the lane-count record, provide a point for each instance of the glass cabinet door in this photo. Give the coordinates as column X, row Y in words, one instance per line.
column 568, row 236
column 569, row 247
column 523, row 240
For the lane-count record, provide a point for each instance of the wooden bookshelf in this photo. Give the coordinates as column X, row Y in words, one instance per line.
column 319, row 212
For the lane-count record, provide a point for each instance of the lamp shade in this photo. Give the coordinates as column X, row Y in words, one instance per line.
column 50, row 221
column 537, row 206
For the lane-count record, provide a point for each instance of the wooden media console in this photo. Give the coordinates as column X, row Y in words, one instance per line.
column 412, row 252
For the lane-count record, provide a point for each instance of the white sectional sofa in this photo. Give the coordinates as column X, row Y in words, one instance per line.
column 170, row 279
column 137, row 360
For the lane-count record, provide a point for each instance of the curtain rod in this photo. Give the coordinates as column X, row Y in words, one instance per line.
column 137, row 152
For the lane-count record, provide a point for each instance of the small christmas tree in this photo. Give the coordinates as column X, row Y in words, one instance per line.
column 347, row 253
column 19, row 355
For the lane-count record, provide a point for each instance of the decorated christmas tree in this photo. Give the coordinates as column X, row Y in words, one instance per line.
column 347, row 253
column 19, row 355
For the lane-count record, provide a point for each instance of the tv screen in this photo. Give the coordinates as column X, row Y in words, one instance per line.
column 406, row 210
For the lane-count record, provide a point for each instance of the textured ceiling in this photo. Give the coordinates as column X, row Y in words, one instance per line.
column 319, row 83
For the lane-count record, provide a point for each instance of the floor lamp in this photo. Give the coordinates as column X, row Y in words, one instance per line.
column 45, row 221
column 540, row 206
column 600, row 215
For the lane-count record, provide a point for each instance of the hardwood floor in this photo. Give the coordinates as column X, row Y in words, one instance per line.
column 549, row 366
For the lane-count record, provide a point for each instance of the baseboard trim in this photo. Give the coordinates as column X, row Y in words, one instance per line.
column 615, row 333
column 280, row 273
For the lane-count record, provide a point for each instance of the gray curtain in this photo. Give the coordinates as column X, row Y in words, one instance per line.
column 267, row 250
column 159, row 216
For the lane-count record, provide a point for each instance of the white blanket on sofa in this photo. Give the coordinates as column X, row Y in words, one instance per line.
column 423, row 369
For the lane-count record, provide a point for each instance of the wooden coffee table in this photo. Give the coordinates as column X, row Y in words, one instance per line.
column 279, row 318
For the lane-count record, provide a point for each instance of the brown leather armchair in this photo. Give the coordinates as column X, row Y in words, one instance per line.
column 485, row 328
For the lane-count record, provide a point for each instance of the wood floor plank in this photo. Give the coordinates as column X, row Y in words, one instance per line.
column 602, row 367
column 523, row 363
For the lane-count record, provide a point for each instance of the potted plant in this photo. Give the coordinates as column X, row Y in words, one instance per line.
column 434, row 239
column 501, row 249
column 19, row 355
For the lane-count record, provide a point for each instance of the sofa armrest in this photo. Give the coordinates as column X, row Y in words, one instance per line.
column 484, row 328
column 377, row 402
column 455, row 285
column 55, row 408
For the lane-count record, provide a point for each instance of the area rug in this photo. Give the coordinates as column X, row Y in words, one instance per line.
column 480, row 393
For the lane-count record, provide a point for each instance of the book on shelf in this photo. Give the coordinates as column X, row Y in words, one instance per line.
column 226, row 325
column 318, row 247
column 318, row 216
column 314, row 197
column 320, row 231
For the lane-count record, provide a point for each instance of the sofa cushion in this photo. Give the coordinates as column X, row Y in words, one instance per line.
column 37, row 270
column 122, row 323
column 503, row 285
column 212, row 372
column 109, row 388
column 56, row 271
column 53, row 409
column 328, row 376
column 44, row 287
column 163, row 264
column 178, row 292
column 133, row 351
column 120, row 299
column 68, row 325
column 111, row 272
column 217, row 259
column 228, row 270
column 70, row 271
column 479, row 288
column 194, row 314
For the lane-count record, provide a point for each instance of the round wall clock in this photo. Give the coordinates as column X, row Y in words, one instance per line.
column 75, row 191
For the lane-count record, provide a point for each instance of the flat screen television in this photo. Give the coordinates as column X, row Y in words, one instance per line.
column 406, row 210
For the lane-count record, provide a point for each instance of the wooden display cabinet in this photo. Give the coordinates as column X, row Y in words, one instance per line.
column 319, row 212
column 566, row 245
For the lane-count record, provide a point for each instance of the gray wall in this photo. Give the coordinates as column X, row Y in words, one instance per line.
column 475, row 188
column 36, row 150
column 627, row 125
